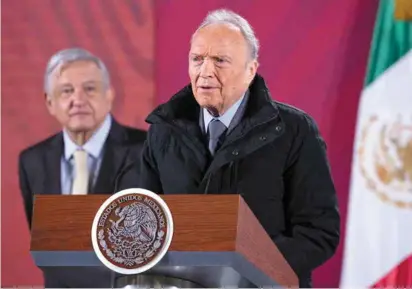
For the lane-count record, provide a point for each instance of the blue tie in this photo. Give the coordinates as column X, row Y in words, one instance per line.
column 216, row 130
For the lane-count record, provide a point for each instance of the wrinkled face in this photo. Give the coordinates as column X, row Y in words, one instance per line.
column 220, row 67
column 78, row 97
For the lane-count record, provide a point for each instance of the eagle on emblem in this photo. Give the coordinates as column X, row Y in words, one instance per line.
column 136, row 221
column 393, row 159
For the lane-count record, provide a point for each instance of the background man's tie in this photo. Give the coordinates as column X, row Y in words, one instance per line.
column 216, row 130
column 81, row 181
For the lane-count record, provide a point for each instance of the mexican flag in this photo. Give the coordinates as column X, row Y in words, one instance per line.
column 378, row 243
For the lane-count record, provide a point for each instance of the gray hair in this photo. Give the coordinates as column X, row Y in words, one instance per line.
column 228, row 17
column 70, row 55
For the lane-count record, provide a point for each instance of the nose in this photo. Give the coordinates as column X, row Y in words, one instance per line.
column 79, row 96
column 207, row 68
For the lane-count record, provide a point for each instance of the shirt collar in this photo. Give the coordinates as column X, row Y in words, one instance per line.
column 226, row 118
column 94, row 145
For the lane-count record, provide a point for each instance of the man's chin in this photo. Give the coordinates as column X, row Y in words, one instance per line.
column 205, row 102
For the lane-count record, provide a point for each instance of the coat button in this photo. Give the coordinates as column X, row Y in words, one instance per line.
column 278, row 128
column 235, row 152
column 262, row 138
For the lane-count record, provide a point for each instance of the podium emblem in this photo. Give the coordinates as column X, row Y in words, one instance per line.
column 132, row 231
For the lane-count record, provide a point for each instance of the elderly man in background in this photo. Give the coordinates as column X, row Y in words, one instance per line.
column 92, row 152
column 223, row 134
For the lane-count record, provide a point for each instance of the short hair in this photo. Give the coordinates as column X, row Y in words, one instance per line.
column 228, row 17
column 70, row 55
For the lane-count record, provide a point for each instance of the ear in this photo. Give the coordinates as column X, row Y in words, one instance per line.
column 110, row 95
column 49, row 103
column 252, row 69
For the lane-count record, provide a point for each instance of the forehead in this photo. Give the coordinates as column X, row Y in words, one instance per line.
column 218, row 38
column 77, row 71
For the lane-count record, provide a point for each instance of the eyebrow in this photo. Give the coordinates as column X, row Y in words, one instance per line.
column 64, row 84
column 91, row 82
column 68, row 84
column 227, row 57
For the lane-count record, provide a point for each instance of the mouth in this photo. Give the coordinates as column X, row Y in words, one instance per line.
column 79, row 114
column 205, row 87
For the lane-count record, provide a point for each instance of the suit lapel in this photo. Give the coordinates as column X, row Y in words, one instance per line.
column 52, row 176
column 114, row 158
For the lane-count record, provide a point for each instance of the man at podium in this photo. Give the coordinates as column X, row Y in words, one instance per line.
column 93, row 150
column 223, row 134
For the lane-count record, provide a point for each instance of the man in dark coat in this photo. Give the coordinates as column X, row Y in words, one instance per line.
column 92, row 154
column 223, row 134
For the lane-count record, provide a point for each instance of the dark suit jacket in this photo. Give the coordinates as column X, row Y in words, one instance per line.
column 39, row 172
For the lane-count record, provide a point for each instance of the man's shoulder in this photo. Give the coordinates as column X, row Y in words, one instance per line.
column 159, row 129
column 160, row 135
column 133, row 135
column 39, row 147
column 296, row 117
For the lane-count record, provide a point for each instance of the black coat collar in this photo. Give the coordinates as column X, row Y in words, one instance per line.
column 182, row 108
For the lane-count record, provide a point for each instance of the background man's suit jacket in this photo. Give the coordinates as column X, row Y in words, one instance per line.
column 39, row 173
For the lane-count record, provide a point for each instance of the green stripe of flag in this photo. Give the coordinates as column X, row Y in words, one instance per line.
column 391, row 40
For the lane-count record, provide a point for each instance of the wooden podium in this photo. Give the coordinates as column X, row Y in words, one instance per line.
column 217, row 241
